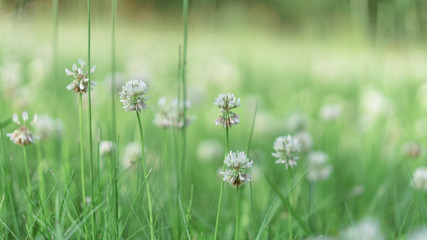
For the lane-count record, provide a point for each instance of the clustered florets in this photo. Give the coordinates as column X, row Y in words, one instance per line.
column 285, row 147
column 238, row 163
column 319, row 169
column 81, row 80
column 133, row 96
column 107, row 148
column 419, row 179
column 171, row 114
column 226, row 102
column 22, row 136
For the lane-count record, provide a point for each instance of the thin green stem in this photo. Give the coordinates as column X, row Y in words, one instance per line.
column 145, row 175
column 253, row 210
column 113, row 108
column 82, row 161
column 222, row 186
column 27, row 172
column 237, row 212
column 184, row 87
column 40, row 172
column 8, row 183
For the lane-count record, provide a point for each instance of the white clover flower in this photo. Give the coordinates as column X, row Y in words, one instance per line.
column 107, row 148
column 296, row 122
column 133, row 96
column 22, row 136
column 318, row 167
column 419, row 179
column 169, row 114
column 412, row 149
column 330, row 112
column 81, row 80
column 45, row 127
column 367, row 229
column 285, row 147
column 420, row 234
column 131, row 154
column 226, row 102
column 238, row 163
column 209, row 150
column 305, row 140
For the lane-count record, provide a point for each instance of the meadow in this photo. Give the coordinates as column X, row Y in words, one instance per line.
column 351, row 110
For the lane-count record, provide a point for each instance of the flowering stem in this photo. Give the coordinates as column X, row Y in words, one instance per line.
column 222, row 187
column 145, row 175
column 237, row 212
column 113, row 104
column 27, row 173
column 40, row 173
column 82, row 162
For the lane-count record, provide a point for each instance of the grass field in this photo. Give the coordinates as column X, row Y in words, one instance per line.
column 357, row 104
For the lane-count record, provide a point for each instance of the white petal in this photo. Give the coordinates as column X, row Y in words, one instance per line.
column 25, row 116
column 15, row 118
column 93, row 69
column 74, row 67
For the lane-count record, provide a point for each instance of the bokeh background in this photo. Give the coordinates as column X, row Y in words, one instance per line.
column 296, row 58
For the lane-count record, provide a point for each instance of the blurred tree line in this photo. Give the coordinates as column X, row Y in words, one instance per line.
column 397, row 19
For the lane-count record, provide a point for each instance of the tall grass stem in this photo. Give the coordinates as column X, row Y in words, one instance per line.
column 227, row 137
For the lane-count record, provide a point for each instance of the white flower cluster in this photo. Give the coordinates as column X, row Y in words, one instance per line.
column 226, row 102
column 285, row 147
column 171, row 115
column 330, row 112
column 81, row 80
column 46, row 126
column 238, row 163
column 367, row 229
column 419, row 179
column 133, row 96
column 22, row 136
column 318, row 167
column 107, row 148
column 412, row 149
column 131, row 154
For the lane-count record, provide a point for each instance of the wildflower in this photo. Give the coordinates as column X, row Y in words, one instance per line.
column 226, row 102
column 132, row 96
column 81, row 80
column 412, row 149
column 170, row 114
column 131, row 154
column 318, row 168
column 46, row 126
column 419, row 179
column 297, row 122
column 367, row 229
column 285, row 147
column 209, row 149
column 420, row 234
column 305, row 140
column 330, row 112
column 22, row 136
column 238, row 163
column 107, row 147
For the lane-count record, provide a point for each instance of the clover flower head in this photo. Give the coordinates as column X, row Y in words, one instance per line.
column 170, row 114
column 286, row 147
column 367, row 229
column 131, row 154
column 133, row 96
column 226, row 102
column 107, row 148
column 330, row 112
column 318, row 167
column 419, row 179
column 80, row 83
column 46, row 126
column 23, row 136
column 305, row 140
column 237, row 163
column 412, row 149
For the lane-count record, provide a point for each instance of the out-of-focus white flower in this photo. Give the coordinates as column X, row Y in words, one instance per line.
column 226, row 102
column 296, row 122
column 45, row 127
column 22, row 136
column 357, row 191
column 10, row 77
column 210, row 149
column 367, row 229
column 285, row 148
column 321, row 237
column 305, row 140
column 412, row 149
column 81, row 80
column 133, row 96
column 374, row 104
column 419, row 179
column 318, row 167
column 131, row 154
column 330, row 112
column 169, row 114
column 420, row 234
column 107, row 148
column 237, row 164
